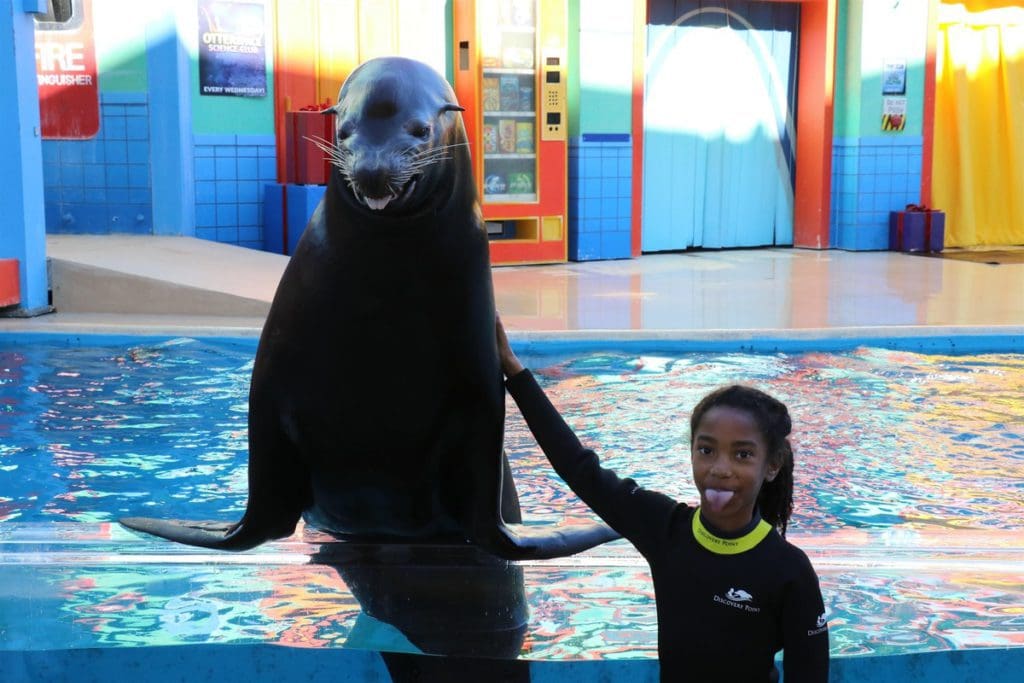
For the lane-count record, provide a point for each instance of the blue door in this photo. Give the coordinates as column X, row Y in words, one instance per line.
column 719, row 143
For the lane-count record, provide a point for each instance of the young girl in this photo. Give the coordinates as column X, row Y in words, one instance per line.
column 730, row 590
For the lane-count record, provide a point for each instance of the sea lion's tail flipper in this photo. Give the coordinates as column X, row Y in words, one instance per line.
column 216, row 535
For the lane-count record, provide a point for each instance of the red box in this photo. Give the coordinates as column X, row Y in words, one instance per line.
column 10, row 288
column 917, row 229
column 305, row 163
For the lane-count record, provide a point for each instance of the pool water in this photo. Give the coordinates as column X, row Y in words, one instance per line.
column 910, row 498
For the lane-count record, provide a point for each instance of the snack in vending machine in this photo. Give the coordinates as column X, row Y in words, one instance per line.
column 520, row 183
column 494, row 184
column 492, row 94
column 507, row 136
column 510, row 93
column 526, row 102
column 490, row 138
column 524, row 137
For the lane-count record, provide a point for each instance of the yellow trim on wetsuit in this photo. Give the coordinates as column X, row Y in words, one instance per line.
column 728, row 546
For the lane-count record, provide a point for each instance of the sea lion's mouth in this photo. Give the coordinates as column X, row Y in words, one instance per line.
column 379, row 203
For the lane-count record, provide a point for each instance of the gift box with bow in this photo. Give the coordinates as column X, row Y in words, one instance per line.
column 918, row 228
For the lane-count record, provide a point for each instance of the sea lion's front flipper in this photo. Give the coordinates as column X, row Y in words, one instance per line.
column 544, row 542
column 513, row 541
column 279, row 489
column 219, row 535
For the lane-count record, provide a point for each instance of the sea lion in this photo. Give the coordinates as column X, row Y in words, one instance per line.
column 376, row 406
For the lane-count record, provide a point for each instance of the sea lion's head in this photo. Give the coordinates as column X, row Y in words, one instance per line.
column 397, row 130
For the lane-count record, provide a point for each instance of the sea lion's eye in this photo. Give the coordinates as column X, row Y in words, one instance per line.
column 419, row 130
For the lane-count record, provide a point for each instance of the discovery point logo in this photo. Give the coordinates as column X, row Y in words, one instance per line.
column 738, row 598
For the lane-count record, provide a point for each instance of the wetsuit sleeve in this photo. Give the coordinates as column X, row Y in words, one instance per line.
column 805, row 632
column 639, row 515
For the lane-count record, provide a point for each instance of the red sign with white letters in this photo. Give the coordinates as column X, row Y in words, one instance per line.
column 69, row 106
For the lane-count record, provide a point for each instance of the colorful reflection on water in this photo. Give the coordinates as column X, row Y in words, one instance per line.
column 916, row 451
column 882, row 437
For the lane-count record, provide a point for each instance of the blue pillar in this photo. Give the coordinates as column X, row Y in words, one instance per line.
column 22, row 221
column 170, row 120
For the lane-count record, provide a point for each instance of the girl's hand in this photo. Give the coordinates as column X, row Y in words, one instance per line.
column 510, row 364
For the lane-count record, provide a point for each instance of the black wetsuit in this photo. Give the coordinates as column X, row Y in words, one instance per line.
column 726, row 602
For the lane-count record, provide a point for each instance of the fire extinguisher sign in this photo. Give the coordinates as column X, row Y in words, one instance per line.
column 69, row 105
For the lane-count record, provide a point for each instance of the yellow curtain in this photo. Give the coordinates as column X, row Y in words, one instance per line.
column 978, row 162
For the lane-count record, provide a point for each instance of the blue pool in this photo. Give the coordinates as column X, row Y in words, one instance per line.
column 910, row 502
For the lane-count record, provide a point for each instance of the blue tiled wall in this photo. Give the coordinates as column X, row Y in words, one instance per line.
column 870, row 178
column 230, row 172
column 102, row 185
column 600, row 191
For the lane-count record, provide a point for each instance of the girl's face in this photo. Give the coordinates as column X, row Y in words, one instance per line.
column 730, row 463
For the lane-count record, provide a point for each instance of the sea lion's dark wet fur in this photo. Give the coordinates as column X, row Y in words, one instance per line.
column 376, row 409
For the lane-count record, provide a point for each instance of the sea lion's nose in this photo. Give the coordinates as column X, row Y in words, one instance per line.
column 373, row 174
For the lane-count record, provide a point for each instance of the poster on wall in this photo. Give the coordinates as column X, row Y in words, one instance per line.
column 894, row 77
column 232, row 49
column 894, row 113
column 69, row 101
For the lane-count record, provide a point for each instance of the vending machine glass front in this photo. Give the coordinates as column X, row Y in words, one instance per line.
column 508, row 43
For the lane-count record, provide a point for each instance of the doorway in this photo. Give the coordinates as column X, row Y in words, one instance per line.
column 719, row 124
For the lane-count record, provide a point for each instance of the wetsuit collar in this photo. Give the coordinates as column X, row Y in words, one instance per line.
column 718, row 543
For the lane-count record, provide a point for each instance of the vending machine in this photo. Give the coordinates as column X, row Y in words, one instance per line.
column 510, row 75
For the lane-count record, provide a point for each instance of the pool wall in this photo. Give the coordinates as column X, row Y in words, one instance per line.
column 197, row 663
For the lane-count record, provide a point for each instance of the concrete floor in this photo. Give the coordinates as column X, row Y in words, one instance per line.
column 184, row 285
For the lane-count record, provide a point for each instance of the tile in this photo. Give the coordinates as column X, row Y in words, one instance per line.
column 206, row 216
column 206, row 192
column 116, row 151
column 248, row 168
column 71, row 175
column 227, row 215
column 608, row 206
column 227, row 235
column 138, row 175
column 249, row 191
column 268, row 168
column 206, row 233
column 227, row 192
column 94, row 175
column 615, row 245
column 624, row 207
column 115, row 128
column 138, row 152
column 248, row 215
column 140, row 195
column 117, row 175
column 136, row 129
column 205, row 169
column 250, row 234
column 226, row 168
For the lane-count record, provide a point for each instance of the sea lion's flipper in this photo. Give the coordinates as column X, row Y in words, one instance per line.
column 513, row 541
column 279, row 490
column 544, row 542
column 219, row 535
